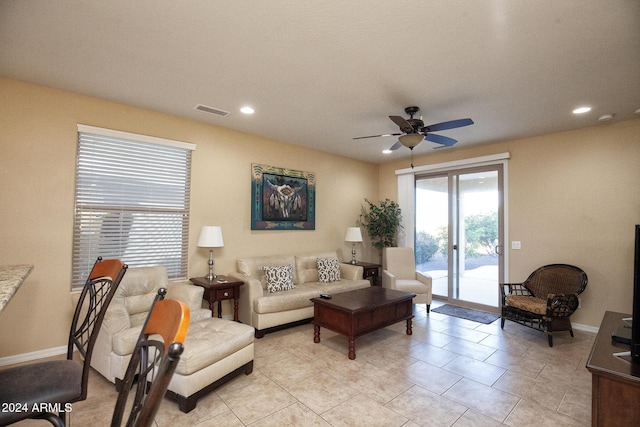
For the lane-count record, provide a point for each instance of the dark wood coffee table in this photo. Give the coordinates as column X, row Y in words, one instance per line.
column 359, row 312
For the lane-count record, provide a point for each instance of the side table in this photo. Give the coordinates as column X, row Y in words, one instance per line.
column 371, row 271
column 219, row 289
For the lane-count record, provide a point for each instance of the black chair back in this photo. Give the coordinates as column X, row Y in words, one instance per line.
column 61, row 382
column 97, row 293
column 153, row 362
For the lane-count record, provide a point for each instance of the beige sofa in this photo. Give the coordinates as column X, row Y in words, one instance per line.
column 266, row 310
column 215, row 349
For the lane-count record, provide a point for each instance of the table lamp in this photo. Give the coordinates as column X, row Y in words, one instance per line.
column 210, row 237
column 354, row 236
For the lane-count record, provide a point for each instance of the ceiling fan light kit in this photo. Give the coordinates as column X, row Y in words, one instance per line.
column 413, row 131
column 411, row 140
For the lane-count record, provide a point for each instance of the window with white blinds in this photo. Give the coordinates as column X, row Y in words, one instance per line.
column 131, row 201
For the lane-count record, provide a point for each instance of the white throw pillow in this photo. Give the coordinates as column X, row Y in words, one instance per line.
column 328, row 270
column 279, row 277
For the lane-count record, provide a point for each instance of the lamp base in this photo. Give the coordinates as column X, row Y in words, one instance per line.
column 211, row 276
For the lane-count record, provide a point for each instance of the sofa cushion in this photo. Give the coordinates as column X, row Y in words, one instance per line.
column 279, row 277
column 300, row 297
column 211, row 340
column 307, row 266
column 290, row 300
column 333, row 288
column 252, row 267
column 328, row 270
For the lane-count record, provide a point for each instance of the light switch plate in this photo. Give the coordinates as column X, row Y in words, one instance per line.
column 516, row 244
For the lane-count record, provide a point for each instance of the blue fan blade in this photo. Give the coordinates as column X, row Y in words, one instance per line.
column 395, row 146
column 439, row 139
column 448, row 125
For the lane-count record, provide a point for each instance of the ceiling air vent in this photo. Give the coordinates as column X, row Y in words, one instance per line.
column 211, row 110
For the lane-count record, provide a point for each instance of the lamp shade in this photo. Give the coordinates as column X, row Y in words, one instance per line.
column 210, row 237
column 353, row 235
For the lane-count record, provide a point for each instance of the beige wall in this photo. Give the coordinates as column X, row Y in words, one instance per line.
column 574, row 197
column 37, row 164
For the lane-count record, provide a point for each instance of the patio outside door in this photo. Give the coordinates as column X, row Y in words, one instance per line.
column 459, row 231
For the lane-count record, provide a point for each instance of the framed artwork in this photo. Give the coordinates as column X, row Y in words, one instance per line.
column 282, row 199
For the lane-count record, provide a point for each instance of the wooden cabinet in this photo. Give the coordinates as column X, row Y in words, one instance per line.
column 220, row 289
column 371, row 272
column 615, row 380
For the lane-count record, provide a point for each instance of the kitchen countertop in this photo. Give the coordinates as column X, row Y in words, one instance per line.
column 11, row 277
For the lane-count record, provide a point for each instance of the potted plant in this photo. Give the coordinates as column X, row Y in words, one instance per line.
column 382, row 222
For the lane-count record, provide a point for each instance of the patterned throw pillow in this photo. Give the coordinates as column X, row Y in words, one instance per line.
column 328, row 270
column 279, row 278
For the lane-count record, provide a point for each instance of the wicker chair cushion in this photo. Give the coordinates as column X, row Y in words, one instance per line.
column 527, row 303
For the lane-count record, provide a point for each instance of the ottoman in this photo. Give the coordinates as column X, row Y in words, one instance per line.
column 215, row 351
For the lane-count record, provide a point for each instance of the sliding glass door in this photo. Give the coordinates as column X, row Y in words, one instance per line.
column 459, row 230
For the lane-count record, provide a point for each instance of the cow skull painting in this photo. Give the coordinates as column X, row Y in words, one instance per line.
column 282, row 199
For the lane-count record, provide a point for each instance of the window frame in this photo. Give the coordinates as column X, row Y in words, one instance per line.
column 144, row 204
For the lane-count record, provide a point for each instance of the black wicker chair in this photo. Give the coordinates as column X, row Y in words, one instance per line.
column 546, row 300
column 44, row 388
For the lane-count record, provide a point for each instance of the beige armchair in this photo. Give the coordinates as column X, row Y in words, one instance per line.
column 128, row 312
column 215, row 349
column 399, row 272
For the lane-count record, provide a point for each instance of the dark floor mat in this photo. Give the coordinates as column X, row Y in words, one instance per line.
column 467, row 313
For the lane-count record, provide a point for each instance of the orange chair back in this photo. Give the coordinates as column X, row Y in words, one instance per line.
column 108, row 268
column 170, row 319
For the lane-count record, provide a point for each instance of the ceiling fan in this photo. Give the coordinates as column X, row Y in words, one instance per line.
column 413, row 131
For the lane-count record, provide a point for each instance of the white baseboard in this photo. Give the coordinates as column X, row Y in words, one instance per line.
column 41, row 354
column 34, row 355
column 585, row 328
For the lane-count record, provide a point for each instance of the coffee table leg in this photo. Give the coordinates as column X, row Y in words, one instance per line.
column 352, row 348
column 316, row 333
column 409, row 330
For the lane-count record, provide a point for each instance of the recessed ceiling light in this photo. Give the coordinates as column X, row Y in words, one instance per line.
column 247, row 110
column 606, row 117
column 581, row 110
column 387, row 151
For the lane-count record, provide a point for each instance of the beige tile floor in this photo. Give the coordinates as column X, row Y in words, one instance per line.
column 450, row 372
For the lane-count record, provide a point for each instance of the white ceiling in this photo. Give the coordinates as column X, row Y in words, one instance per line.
column 320, row 73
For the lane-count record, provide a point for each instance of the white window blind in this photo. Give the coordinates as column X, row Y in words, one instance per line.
column 131, row 201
